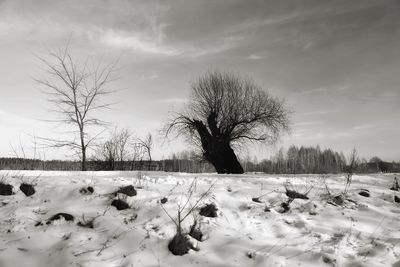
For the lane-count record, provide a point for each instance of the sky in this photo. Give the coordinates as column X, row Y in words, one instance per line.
column 336, row 63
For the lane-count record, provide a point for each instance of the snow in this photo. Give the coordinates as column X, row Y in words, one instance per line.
column 362, row 232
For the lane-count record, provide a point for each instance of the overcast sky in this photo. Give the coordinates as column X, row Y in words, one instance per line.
column 337, row 63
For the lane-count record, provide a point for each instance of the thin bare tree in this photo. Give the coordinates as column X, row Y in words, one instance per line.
column 76, row 89
column 147, row 145
column 226, row 110
column 115, row 150
column 351, row 169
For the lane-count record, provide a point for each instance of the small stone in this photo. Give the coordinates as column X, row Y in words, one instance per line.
column 120, row 204
column 364, row 193
column 127, row 190
column 27, row 189
column 209, row 210
column 6, row 189
column 164, row 200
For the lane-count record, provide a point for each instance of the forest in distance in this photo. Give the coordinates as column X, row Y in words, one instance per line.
column 295, row 160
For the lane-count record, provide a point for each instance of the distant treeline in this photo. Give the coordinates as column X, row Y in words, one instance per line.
column 168, row 165
column 296, row 160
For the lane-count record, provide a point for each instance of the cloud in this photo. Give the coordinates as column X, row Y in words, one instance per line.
column 364, row 126
column 255, row 57
column 308, row 123
column 331, row 89
column 136, row 42
column 172, row 100
column 151, row 76
column 319, row 112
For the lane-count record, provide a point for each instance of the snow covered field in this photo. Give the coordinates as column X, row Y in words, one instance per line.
column 361, row 231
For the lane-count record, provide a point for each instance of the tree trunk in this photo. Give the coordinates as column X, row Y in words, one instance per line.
column 217, row 149
column 83, row 163
column 223, row 158
column 83, row 148
column 150, row 161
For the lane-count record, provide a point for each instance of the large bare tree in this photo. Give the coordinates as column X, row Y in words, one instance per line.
column 76, row 89
column 225, row 110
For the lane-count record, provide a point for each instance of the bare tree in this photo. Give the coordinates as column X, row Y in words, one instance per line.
column 115, row 149
column 107, row 152
column 136, row 155
column 76, row 91
column 147, row 145
column 351, row 168
column 225, row 110
column 123, row 138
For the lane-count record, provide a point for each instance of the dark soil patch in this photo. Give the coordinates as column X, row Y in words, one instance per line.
column 164, row 200
column 195, row 232
column 6, row 189
column 256, row 199
column 293, row 194
column 364, row 193
column 86, row 190
column 86, row 223
column 396, row 199
column 285, row 207
column 58, row 216
column 27, row 189
column 251, row 255
column 120, row 204
column 127, row 190
column 180, row 245
column 338, row 200
column 209, row 210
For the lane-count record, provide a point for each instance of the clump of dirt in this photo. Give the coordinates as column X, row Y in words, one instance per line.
column 27, row 189
column 338, row 200
column 86, row 190
column 396, row 199
column 256, row 199
column 180, row 245
column 130, row 219
column 293, row 194
column 209, row 210
column 195, row 232
column 120, row 204
column 364, row 193
column 328, row 260
column 251, row 255
column 86, row 223
column 127, row 190
column 6, row 189
column 58, row 216
column 285, row 206
column 164, row 200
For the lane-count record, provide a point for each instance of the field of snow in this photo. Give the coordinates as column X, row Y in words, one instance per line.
column 361, row 231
